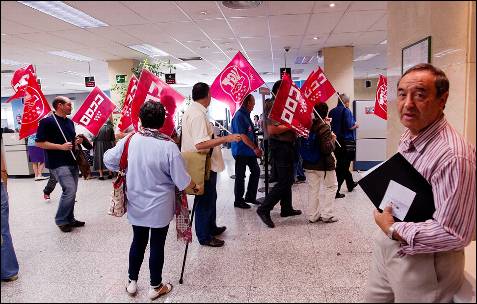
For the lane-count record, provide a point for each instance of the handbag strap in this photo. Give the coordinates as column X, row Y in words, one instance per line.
column 123, row 163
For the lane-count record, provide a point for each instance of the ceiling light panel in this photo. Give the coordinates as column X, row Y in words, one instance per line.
column 11, row 62
column 185, row 66
column 64, row 12
column 70, row 55
column 366, row 57
column 148, row 50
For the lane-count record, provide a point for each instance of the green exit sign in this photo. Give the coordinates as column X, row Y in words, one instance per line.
column 120, row 78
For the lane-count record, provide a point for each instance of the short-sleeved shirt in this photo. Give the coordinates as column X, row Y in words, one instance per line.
column 196, row 128
column 31, row 141
column 155, row 168
column 287, row 136
column 242, row 124
column 48, row 131
column 341, row 122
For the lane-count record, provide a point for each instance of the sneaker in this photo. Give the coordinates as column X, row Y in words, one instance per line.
column 65, row 228
column 292, row 212
column 242, row 205
column 255, row 202
column 265, row 217
column 77, row 223
column 131, row 287
column 11, row 279
column 101, row 178
column 156, row 292
column 46, row 197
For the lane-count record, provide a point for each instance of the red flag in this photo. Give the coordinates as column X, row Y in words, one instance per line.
column 35, row 107
column 94, row 111
column 317, row 88
column 381, row 105
column 20, row 81
column 125, row 121
column 291, row 108
column 151, row 87
column 235, row 82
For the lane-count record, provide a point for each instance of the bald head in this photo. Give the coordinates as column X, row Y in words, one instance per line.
column 62, row 105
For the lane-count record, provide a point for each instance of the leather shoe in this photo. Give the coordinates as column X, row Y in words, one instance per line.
column 214, row 242
column 293, row 212
column 77, row 223
column 265, row 217
column 219, row 230
column 242, row 205
column 339, row 195
column 65, row 228
column 354, row 185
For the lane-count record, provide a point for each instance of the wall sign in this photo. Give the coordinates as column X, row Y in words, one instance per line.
column 89, row 82
column 418, row 52
column 285, row 71
column 171, row 78
column 120, row 78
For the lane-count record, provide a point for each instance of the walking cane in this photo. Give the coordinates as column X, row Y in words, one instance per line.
column 187, row 246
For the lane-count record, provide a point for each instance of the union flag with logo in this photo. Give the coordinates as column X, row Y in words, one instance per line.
column 291, row 108
column 235, row 82
column 35, row 106
column 151, row 87
column 381, row 104
column 20, row 81
column 94, row 111
column 125, row 120
column 317, row 88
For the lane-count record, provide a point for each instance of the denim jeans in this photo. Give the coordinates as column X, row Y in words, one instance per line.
column 9, row 258
column 156, row 256
column 205, row 210
column 241, row 163
column 50, row 186
column 67, row 176
column 298, row 168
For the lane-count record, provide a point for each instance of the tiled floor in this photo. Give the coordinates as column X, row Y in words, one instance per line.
column 294, row 262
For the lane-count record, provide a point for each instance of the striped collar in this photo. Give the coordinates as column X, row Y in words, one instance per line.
column 424, row 136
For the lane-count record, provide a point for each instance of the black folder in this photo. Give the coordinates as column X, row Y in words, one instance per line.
column 397, row 168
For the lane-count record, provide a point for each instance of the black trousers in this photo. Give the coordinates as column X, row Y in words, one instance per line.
column 50, row 186
column 283, row 154
column 156, row 257
column 342, row 169
column 241, row 164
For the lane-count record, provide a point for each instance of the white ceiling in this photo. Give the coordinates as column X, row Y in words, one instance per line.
column 180, row 29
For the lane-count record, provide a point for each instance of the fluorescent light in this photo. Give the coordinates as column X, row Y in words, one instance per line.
column 65, row 12
column 70, row 55
column 315, row 38
column 384, row 42
column 366, row 57
column 148, row 50
column 185, row 66
column 11, row 62
column 332, row 5
column 4, row 34
column 72, row 73
column 73, row 83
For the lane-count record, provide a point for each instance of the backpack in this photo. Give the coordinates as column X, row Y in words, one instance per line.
column 310, row 148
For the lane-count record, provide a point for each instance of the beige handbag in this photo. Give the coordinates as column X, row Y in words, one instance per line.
column 196, row 167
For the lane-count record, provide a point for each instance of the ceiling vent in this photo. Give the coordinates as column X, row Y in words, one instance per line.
column 265, row 73
column 241, row 4
column 297, row 71
column 190, row 58
column 7, row 71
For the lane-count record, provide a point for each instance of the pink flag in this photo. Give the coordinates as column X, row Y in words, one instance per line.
column 125, row 121
column 317, row 88
column 381, row 105
column 151, row 87
column 235, row 82
column 94, row 111
column 20, row 81
column 35, row 107
column 291, row 108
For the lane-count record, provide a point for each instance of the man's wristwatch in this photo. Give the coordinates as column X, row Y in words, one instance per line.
column 390, row 233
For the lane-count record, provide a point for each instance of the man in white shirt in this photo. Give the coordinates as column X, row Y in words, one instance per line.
column 197, row 135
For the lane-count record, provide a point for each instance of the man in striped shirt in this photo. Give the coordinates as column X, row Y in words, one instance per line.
column 424, row 262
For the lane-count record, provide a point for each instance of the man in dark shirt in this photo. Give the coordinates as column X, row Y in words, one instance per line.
column 245, row 153
column 59, row 159
column 282, row 146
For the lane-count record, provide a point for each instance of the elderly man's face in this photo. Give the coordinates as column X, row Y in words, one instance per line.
column 66, row 108
column 417, row 102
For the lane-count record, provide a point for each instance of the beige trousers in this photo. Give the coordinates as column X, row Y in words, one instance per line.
column 320, row 207
column 430, row 277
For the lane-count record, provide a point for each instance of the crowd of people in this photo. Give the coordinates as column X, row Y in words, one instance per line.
column 411, row 261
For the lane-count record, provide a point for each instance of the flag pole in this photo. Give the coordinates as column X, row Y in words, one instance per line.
column 63, row 135
column 221, row 126
column 316, row 113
